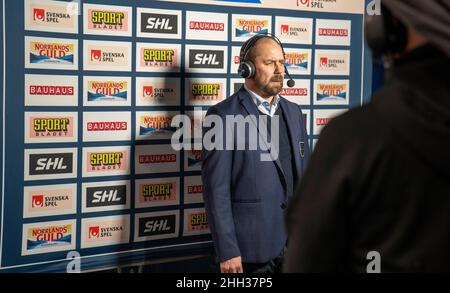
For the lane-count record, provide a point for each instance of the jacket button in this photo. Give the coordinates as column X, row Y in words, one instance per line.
column 283, row 205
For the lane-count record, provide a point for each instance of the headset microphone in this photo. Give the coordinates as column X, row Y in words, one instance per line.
column 290, row 82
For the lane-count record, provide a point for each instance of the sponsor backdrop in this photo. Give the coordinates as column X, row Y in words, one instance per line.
column 90, row 90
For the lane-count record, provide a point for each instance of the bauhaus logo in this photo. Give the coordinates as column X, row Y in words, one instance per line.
column 46, row 164
column 159, row 23
column 103, row 196
column 51, row 90
column 206, row 26
column 206, row 59
column 151, row 226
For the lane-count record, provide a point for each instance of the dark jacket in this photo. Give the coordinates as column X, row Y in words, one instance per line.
column 245, row 198
column 379, row 179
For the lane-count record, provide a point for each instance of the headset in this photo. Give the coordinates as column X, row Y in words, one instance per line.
column 385, row 34
column 247, row 67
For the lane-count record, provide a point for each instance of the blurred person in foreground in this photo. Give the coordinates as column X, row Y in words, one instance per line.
column 376, row 194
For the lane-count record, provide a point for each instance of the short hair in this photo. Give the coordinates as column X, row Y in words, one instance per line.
column 251, row 53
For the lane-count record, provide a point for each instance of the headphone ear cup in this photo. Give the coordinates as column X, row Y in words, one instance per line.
column 375, row 34
column 246, row 69
column 385, row 34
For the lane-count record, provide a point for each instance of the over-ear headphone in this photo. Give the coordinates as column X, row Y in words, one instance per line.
column 385, row 34
column 247, row 67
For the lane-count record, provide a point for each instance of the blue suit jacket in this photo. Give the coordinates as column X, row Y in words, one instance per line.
column 245, row 197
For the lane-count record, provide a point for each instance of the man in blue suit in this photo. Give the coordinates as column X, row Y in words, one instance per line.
column 245, row 195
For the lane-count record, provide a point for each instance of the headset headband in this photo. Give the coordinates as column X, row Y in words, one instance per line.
column 252, row 41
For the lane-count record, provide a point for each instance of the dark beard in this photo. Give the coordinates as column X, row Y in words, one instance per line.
column 272, row 90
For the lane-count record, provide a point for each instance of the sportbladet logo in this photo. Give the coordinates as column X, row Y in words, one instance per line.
column 107, row 20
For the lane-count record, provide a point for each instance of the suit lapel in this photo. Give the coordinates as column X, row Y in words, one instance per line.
column 292, row 122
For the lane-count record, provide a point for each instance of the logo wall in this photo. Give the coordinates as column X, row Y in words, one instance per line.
column 193, row 160
column 50, row 163
column 323, row 116
column 246, row 26
column 157, row 192
column 331, row 92
column 156, row 225
column 206, row 26
column 158, row 23
column 105, row 231
column 49, row 200
column 51, row 90
column 105, row 196
column 50, row 16
column 107, row 91
column 107, row 20
column 195, row 222
column 106, row 56
column 332, row 62
column 106, row 161
column 333, row 32
column 211, row 60
column 51, row 53
column 158, row 57
column 298, row 61
column 299, row 94
column 48, row 237
column 154, row 125
column 51, row 127
column 193, row 189
column 294, row 30
column 157, row 91
column 205, row 91
column 150, row 159
column 106, row 126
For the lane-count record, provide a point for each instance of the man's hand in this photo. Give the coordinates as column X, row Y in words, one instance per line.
column 233, row 265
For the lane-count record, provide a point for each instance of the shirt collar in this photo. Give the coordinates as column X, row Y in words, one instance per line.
column 263, row 105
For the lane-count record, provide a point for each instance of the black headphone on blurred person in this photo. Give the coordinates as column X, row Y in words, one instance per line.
column 385, row 34
column 247, row 67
